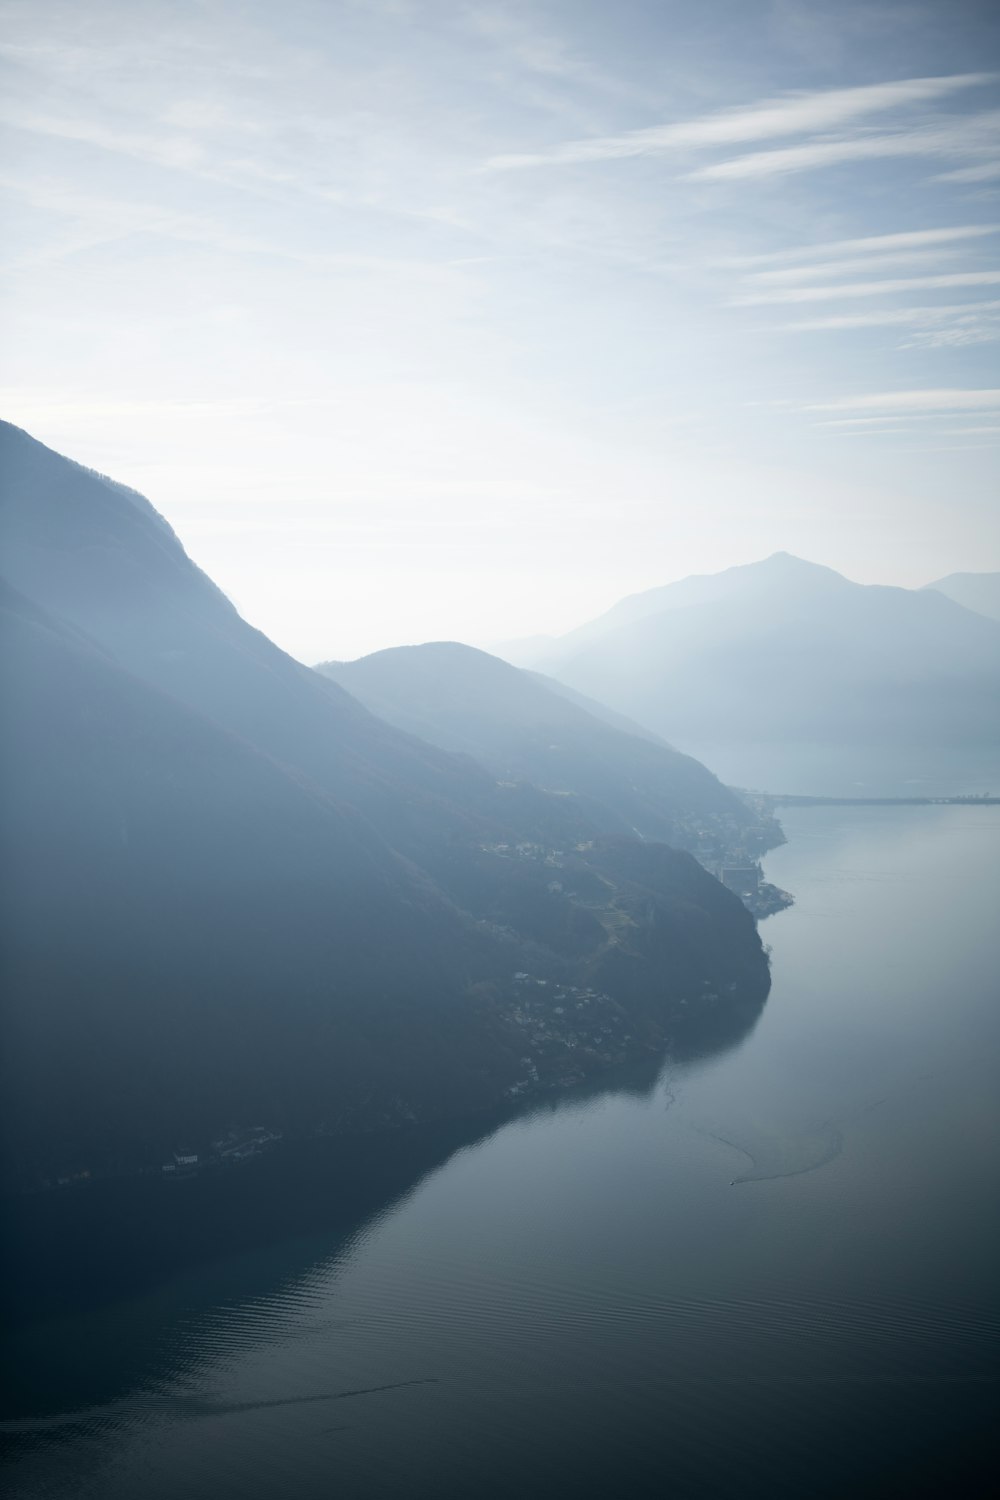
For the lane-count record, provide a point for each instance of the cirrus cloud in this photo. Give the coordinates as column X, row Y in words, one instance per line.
column 790, row 114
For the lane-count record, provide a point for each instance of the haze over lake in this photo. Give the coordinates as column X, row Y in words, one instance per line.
column 500, row 750
column 700, row 1283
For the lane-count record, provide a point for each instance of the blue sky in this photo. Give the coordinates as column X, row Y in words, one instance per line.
column 426, row 320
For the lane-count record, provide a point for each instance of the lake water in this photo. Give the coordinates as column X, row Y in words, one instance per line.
column 770, row 1271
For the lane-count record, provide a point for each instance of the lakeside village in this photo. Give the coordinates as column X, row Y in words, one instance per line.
column 568, row 1031
column 571, row 1031
column 565, row 1028
column 729, row 851
column 240, row 1144
column 733, row 854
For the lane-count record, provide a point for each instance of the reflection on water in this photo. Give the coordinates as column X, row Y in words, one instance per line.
column 765, row 1270
column 65, row 1251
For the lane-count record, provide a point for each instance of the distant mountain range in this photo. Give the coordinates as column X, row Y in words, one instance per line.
column 526, row 727
column 786, row 651
column 976, row 591
column 231, row 893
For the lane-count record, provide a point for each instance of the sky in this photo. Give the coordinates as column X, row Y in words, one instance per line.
column 440, row 319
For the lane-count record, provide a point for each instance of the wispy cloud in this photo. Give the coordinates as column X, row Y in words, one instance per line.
column 983, row 171
column 867, row 244
column 806, row 273
column 868, row 288
column 851, row 431
column 873, row 422
column 986, row 331
column 789, row 114
column 954, row 325
column 968, row 136
column 897, row 315
column 537, row 49
column 164, row 150
column 917, row 414
column 947, row 399
column 924, row 426
column 853, row 266
column 969, row 431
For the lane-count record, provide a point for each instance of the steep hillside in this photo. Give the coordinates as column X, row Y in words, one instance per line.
column 523, row 729
column 231, row 892
column 193, row 935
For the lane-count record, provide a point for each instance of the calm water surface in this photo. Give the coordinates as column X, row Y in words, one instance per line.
column 769, row 1271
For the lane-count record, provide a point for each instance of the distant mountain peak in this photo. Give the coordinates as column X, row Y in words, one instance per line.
column 785, row 565
column 790, row 560
column 784, row 650
column 781, row 572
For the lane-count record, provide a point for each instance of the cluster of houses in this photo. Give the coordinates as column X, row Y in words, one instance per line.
column 725, row 848
column 537, row 852
column 744, row 879
column 740, row 872
column 241, row 1143
column 83, row 1175
column 758, row 895
column 559, row 1020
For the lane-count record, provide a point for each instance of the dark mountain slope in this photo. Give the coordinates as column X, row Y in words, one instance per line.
column 514, row 723
column 191, row 934
column 101, row 558
column 267, row 899
column 784, row 651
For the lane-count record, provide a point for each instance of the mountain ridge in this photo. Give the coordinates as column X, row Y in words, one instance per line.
column 518, row 725
column 772, row 652
column 979, row 592
column 270, row 904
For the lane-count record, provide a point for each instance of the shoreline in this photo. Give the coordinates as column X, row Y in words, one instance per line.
column 790, row 799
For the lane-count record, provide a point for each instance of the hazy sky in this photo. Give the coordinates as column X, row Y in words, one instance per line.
column 437, row 318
